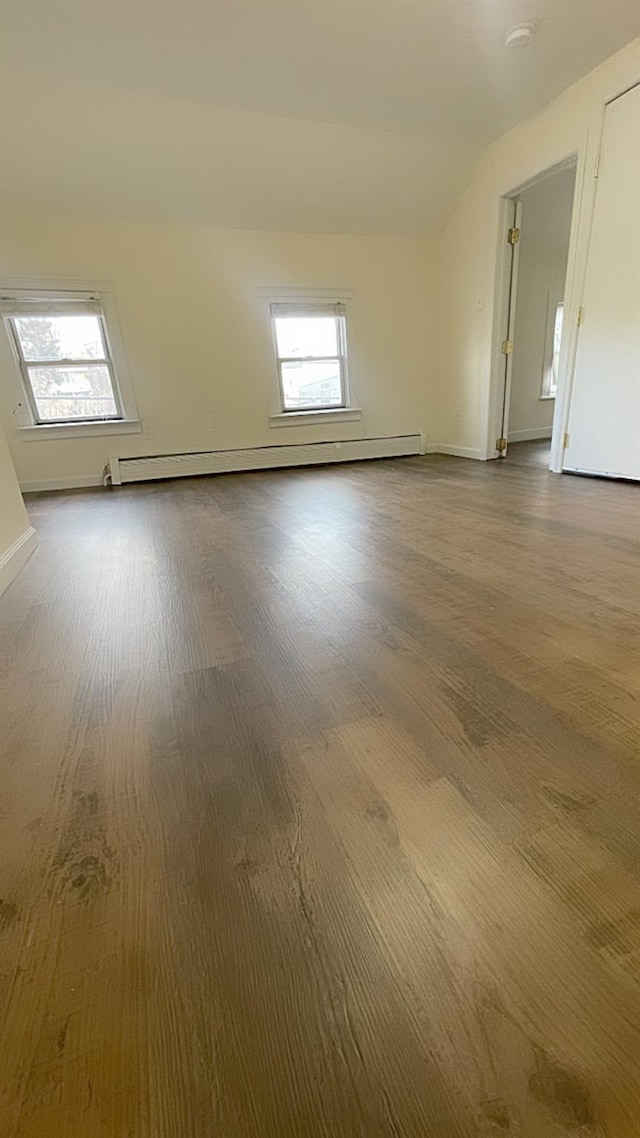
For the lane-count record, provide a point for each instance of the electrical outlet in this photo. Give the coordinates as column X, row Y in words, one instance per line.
column 214, row 423
column 148, row 428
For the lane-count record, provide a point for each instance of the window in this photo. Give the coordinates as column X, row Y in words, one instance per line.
column 65, row 361
column 62, row 343
column 555, row 315
column 310, row 344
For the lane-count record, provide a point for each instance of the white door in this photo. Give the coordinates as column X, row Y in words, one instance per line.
column 604, row 421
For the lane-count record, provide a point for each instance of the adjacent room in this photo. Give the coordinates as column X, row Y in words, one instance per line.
column 544, row 213
column 320, row 569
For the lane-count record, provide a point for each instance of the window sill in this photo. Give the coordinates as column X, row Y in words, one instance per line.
column 44, row 431
column 308, row 418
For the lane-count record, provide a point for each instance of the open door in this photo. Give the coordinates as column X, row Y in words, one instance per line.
column 513, row 238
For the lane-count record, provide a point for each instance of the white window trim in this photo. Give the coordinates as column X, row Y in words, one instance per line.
column 555, row 297
column 311, row 418
column 41, row 431
column 26, row 426
column 348, row 412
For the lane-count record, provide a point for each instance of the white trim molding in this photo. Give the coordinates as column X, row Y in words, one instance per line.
column 44, row 431
column 75, row 482
column 296, row 295
column 530, row 433
column 458, row 452
column 16, row 556
column 315, row 418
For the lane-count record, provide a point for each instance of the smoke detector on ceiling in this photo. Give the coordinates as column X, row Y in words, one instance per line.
column 520, row 36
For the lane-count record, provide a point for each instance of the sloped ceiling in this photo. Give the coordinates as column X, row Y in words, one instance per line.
column 87, row 151
column 364, row 116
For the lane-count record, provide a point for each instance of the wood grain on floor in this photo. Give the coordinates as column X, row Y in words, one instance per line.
column 319, row 808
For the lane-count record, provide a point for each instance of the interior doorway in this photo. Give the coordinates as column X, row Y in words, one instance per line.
column 539, row 230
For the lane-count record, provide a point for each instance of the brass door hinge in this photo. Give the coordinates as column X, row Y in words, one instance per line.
column 507, row 347
column 513, row 236
column 580, row 316
column 501, row 445
column 565, row 441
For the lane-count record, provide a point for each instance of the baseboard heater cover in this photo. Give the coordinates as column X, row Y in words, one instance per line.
column 259, row 458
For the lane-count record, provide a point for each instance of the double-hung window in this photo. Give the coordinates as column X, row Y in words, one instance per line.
column 62, row 347
column 311, row 352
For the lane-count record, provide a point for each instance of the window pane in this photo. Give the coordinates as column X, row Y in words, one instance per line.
column 73, row 392
column 557, row 340
column 60, row 337
column 311, row 384
column 306, row 335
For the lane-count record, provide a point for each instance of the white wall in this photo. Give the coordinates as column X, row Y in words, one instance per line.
column 572, row 123
column 17, row 539
column 544, row 248
column 13, row 516
column 198, row 338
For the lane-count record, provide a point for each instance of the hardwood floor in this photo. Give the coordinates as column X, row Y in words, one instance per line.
column 319, row 808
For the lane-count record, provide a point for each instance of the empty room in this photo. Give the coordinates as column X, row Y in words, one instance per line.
column 320, row 569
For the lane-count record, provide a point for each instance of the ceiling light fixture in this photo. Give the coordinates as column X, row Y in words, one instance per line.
column 519, row 36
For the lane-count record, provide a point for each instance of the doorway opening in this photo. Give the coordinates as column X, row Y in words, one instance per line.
column 538, row 231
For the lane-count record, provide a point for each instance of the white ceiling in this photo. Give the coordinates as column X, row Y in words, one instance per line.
column 436, row 67
column 363, row 116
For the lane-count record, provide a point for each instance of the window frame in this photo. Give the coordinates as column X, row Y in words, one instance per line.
column 68, row 362
column 52, row 300
column 321, row 310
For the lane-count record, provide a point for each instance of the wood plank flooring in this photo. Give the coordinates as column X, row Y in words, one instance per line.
column 319, row 801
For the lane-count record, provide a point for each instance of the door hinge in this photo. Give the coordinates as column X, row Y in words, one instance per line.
column 566, row 440
column 580, row 316
column 501, row 445
column 507, row 347
column 596, row 172
column 514, row 235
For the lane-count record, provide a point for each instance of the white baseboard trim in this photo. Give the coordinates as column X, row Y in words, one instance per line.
column 458, row 452
column 75, row 482
column 16, row 556
column 530, row 434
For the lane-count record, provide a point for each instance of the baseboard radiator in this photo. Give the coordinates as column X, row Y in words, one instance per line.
column 121, row 470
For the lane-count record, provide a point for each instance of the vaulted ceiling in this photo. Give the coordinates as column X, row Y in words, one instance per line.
column 359, row 116
column 435, row 67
